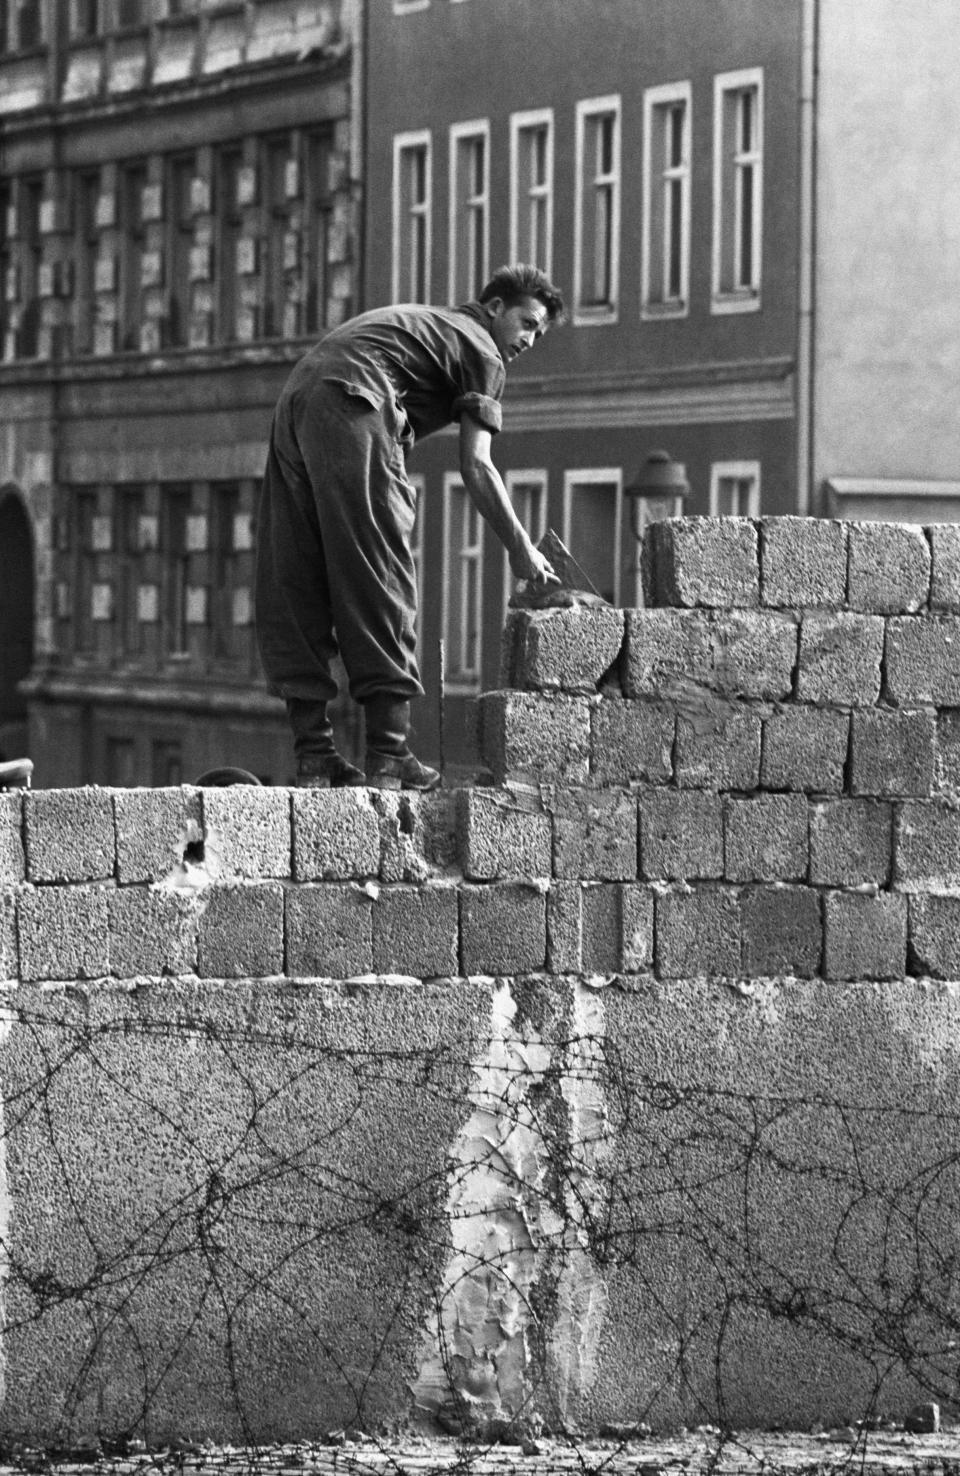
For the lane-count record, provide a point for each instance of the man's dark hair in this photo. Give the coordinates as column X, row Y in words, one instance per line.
column 511, row 283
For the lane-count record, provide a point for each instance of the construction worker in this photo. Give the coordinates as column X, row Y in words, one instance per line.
column 335, row 569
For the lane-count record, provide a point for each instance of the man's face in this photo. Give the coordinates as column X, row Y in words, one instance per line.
column 515, row 329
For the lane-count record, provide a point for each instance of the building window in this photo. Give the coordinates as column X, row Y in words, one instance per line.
column 735, row 489
column 175, row 551
column 133, row 182
column 229, row 232
column 25, row 29
column 84, row 510
column 469, row 209
column 317, row 220
column 666, row 196
column 593, row 525
column 86, row 246
column 597, row 218
column 737, row 190
column 281, row 246
column 180, row 238
column 531, row 188
column 224, row 509
column 30, row 196
column 6, row 267
column 166, row 769
column 412, row 225
column 528, row 493
column 85, row 20
column 128, row 14
column 462, row 588
column 128, row 514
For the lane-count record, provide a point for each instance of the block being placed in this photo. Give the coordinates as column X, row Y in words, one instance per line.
column 803, row 563
column 889, row 568
column 701, row 561
column 563, row 650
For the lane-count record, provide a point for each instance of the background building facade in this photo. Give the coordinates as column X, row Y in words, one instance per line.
column 179, row 221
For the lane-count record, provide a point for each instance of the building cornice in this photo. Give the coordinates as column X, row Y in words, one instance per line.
column 199, row 696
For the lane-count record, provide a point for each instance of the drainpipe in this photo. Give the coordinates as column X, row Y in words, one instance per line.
column 807, row 265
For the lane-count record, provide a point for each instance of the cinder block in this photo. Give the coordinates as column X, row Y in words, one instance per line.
column 419, row 833
column 892, row 753
column 240, row 934
column 503, row 928
column 803, row 563
column 923, row 660
column 153, row 931
column 945, row 573
column 416, row 931
column 9, row 953
column 63, row 932
column 840, row 657
column 719, row 752
column 889, row 568
column 702, row 561
column 805, row 748
column 336, row 834
column 595, row 835
column 631, row 741
column 865, row 937
column 565, row 928
column 851, row 842
column 927, row 846
column 154, row 827
column 563, row 650
column 681, row 834
column 697, row 933
column 535, row 738
column 247, row 830
column 637, row 929
column 69, row 835
column 504, row 835
column 766, row 838
column 682, row 654
column 12, row 863
column 782, row 931
column 329, row 932
column 617, row 928
column 934, row 930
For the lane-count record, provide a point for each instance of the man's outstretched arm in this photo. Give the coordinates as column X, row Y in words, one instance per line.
column 485, row 486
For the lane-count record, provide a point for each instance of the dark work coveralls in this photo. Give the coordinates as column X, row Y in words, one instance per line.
column 335, row 568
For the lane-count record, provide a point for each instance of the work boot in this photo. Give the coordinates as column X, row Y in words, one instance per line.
column 319, row 765
column 389, row 762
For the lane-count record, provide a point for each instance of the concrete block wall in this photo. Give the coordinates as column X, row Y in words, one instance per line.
column 621, row 1085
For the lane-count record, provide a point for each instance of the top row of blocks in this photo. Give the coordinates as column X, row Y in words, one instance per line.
column 802, row 563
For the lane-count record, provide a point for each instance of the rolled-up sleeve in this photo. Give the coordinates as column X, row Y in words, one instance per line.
column 484, row 408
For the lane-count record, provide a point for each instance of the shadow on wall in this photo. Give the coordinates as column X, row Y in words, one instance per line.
column 16, row 620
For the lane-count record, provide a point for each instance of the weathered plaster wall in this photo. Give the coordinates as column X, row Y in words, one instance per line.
column 622, row 1088
column 887, row 240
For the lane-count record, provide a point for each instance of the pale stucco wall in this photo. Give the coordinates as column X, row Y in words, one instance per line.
column 887, row 331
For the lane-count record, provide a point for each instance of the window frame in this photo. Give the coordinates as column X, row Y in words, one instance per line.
column 742, row 471
column 586, row 314
column 418, row 482
column 656, row 178
column 460, row 685
column 404, row 144
column 736, row 299
column 460, row 134
column 520, row 123
column 596, row 476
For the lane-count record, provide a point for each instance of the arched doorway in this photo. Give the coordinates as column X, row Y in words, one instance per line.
column 16, row 620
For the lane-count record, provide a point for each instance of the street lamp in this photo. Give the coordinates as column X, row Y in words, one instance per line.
column 658, row 493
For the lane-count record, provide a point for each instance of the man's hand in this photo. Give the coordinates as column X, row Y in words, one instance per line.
column 530, row 563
